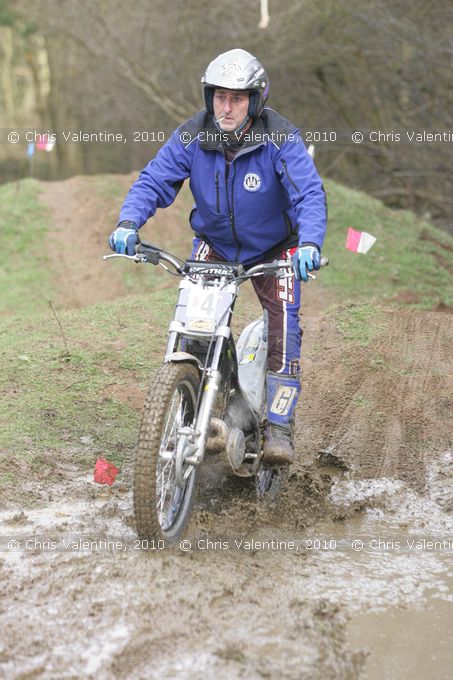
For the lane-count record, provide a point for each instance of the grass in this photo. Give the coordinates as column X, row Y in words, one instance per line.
column 24, row 269
column 360, row 400
column 411, row 262
column 52, row 397
column 359, row 323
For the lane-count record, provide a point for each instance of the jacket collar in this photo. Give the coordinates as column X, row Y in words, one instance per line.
column 213, row 139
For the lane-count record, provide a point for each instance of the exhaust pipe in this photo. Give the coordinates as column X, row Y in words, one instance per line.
column 217, row 439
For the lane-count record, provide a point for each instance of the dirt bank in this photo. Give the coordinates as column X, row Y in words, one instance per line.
column 82, row 212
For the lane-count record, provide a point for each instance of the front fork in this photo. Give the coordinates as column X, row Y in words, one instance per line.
column 192, row 439
column 208, row 399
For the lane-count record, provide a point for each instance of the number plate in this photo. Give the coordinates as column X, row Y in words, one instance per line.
column 202, row 303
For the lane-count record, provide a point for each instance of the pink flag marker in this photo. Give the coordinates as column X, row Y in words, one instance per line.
column 46, row 143
column 41, row 145
column 359, row 241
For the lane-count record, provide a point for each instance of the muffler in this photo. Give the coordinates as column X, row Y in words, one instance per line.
column 221, row 439
column 217, row 438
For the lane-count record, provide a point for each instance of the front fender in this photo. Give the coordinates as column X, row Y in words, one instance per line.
column 184, row 356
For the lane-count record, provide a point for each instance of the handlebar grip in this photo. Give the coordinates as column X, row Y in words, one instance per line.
column 151, row 253
column 323, row 263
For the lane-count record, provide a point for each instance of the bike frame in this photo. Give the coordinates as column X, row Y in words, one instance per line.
column 217, row 286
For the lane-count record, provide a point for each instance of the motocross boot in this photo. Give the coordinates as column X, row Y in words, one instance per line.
column 282, row 394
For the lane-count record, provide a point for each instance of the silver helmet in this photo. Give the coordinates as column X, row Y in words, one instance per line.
column 237, row 70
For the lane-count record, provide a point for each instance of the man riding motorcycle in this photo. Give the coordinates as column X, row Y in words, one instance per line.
column 258, row 197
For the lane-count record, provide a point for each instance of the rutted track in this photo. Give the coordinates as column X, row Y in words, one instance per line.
column 373, row 439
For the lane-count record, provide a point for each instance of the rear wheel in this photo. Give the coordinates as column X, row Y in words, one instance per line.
column 162, row 508
column 269, row 481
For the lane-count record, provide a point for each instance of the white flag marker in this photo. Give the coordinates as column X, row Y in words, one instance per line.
column 359, row 241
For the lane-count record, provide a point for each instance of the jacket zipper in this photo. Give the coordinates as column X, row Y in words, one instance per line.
column 290, row 179
column 231, row 206
column 217, row 195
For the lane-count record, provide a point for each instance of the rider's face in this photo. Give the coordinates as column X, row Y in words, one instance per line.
column 231, row 106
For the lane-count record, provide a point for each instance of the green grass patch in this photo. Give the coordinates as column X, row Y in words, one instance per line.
column 360, row 400
column 69, row 394
column 24, row 268
column 359, row 323
column 411, row 262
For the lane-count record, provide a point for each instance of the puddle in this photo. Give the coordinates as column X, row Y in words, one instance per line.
column 45, row 532
column 404, row 562
column 405, row 643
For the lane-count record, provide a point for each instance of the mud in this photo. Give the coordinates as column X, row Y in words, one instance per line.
column 263, row 591
column 81, row 598
column 342, row 577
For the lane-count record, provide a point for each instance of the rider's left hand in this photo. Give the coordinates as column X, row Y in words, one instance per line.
column 306, row 258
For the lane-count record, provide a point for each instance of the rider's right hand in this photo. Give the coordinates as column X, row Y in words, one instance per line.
column 124, row 239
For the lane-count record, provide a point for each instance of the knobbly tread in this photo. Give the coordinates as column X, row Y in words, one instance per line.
column 146, row 456
column 274, row 483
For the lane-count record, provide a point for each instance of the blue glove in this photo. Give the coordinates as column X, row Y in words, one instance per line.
column 124, row 239
column 306, row 258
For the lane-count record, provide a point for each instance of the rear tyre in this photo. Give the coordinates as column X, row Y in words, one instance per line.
column 162, row 509
column 269, row 481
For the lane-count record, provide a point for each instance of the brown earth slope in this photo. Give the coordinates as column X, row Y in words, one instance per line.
column 381, row 409
column 82, row 212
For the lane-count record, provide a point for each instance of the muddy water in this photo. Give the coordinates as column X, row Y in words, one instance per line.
column 406, row 643
column 384, row 566
column 403, row 545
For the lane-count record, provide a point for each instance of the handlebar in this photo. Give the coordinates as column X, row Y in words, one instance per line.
column 271, row 268
column 147, row 252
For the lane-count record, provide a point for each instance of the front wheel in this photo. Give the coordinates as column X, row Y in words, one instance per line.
column 162, row 508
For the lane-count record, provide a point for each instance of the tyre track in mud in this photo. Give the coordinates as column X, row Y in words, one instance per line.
column 385, row 407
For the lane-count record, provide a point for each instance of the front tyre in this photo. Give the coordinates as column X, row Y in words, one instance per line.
column 162, row 508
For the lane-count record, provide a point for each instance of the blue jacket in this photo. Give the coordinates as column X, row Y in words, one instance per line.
column 270, row 194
